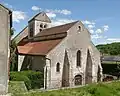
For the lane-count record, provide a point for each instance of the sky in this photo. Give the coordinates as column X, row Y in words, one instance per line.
column 101, row 17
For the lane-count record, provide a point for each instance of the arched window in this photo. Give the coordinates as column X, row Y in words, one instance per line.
column 58, row 67
column 40, row 30
column 41, row 25
column 45, row 26
column 79, row 28
column 78, row 58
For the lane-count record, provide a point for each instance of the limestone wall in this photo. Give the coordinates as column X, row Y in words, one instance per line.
column 4, row 38
column 75, row 40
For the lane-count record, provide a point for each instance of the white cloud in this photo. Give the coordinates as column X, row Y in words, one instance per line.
column 51, row 15
column 8, row 5
column 105, row 27
column 61, row 21
column 96, row 36
column 35, row 8
column 19, row 15
column 113, row 39
column 91, row 26
column 88, row 22
column 99, row 31
column 64, row 11
column 91, row 31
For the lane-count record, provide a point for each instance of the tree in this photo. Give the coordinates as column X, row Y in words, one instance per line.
column 109, row 49
column 13, row 50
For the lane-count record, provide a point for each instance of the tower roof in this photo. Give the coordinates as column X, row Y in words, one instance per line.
column 41, row 16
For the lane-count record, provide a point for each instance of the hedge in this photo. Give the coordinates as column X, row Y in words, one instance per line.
column 32, row 79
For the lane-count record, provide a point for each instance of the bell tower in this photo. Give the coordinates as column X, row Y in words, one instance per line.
column 38, row 23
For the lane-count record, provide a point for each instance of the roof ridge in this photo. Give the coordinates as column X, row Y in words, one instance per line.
column 62, row 25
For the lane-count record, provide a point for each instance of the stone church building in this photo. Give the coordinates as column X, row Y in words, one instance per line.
column 64, row 53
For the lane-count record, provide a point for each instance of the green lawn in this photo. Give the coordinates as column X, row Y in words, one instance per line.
column 101, row 89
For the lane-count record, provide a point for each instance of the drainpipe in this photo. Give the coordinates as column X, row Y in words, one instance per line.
column 50, row 70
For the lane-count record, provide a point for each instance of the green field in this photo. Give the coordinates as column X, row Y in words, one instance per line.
column 101, row 89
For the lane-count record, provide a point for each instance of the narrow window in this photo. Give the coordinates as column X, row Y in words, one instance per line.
column 79, row 28
column 78, row 58
column 31, row 30
column 58, row 67
column 45, row 26
column 41, row 25
column 40, row 30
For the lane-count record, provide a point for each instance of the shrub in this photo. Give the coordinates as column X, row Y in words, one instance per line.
column 17, row 76
column 32, row 79
column 37, row 78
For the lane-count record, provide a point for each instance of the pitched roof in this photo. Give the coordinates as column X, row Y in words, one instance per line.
column 38, row 48
column 111, row 58
column 48, row 40
column 6, row 8
column 41, row 16
column 23, row 34
column 56, row 29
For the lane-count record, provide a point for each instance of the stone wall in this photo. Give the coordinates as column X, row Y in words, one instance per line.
column 75, row 40
column 4, row 38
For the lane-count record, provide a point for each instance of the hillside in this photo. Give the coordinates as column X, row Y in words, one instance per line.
column 109, row 49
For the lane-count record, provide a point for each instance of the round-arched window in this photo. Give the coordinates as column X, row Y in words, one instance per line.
column 41, row 25
column 45, row 26
column 79, row 28
column 40, row 30
column 78, row 58
column 58, row 67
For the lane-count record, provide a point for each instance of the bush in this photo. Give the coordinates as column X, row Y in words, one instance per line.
column 17, row 76
column 33, row 80
column 37, row 78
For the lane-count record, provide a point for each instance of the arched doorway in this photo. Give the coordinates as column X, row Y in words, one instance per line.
column 78, row 80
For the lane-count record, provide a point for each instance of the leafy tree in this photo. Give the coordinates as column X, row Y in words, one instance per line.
column 13, row 50
column 109, row 49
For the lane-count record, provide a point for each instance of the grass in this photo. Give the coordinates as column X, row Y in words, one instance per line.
column 17, row 87
column 101, row 89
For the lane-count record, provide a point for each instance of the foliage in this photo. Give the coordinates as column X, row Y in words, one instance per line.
column 17, row 76
column 32, row 79
column 37, row 79
column 13, row 54
column 110, row 49
column 101, row 89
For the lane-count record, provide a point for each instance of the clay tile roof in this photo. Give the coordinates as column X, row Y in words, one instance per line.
column 57, row 29
column 38, row 48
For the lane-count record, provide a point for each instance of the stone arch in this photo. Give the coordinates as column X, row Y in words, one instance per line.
column 66, row 70
column 78, row 80
column 88, row 72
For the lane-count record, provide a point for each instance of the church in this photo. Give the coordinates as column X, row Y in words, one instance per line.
column 64, row 53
